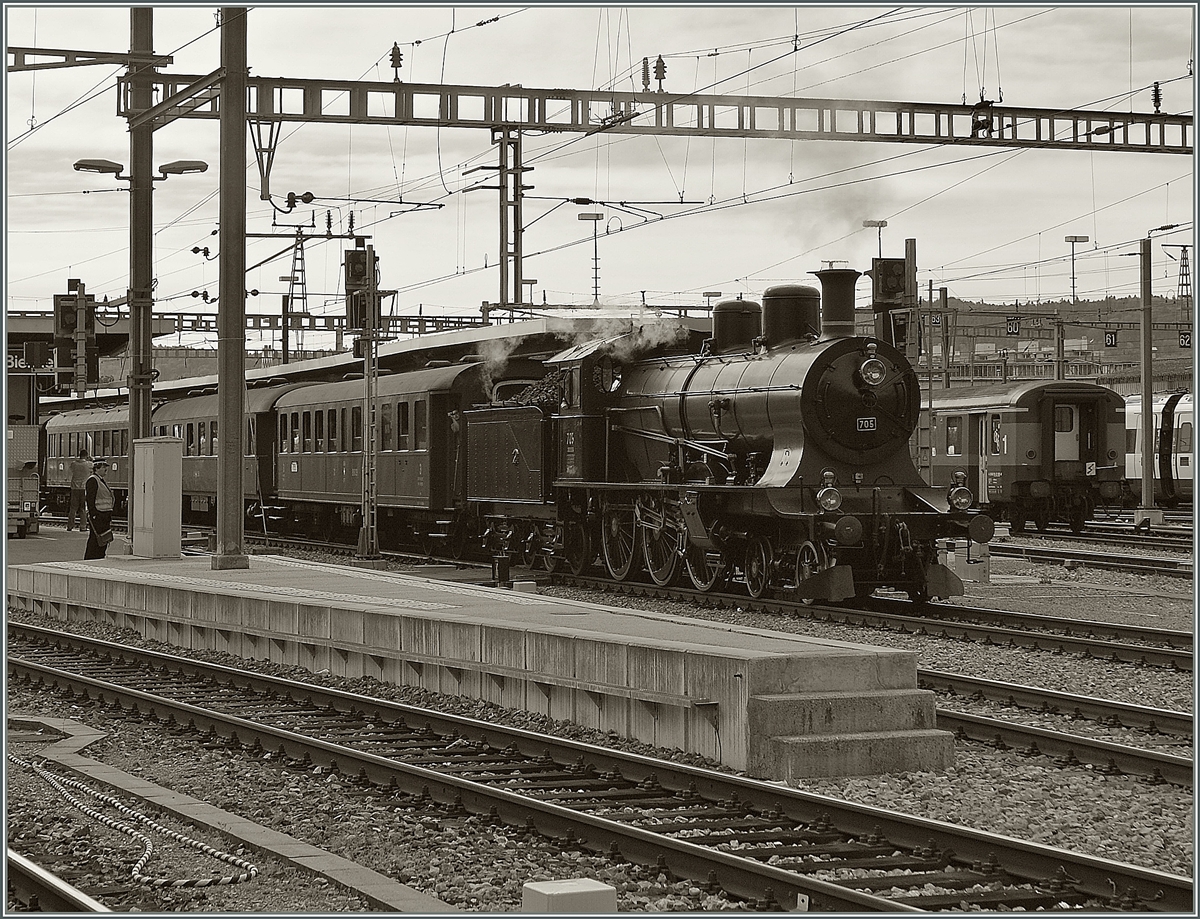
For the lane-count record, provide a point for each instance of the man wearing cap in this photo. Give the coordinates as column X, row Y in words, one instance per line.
column 99, row 499
column 81, row 468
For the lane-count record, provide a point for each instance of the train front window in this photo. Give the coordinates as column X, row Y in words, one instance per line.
column 1064, row 418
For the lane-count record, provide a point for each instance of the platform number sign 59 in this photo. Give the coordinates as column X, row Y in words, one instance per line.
column 1185, row 339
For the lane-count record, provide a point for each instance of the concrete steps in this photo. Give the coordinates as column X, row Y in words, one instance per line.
column 807, row 735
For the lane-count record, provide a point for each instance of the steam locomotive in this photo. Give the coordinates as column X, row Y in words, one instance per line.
column 775, row 454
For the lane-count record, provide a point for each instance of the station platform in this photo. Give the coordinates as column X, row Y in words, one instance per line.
column 770, row 704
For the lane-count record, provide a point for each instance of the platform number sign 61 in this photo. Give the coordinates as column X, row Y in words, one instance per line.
column 1110, row 338
column 1185, row 339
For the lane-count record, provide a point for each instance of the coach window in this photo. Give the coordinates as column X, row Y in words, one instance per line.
column 1184, row 438
column 177, row 431
column 283, row 433
column 248, row 439
column 106, row 442
column 295, row 430
column 203, row 439
column 954, row 436
column 1064, row 419
column 212, row 439
column 402, row 426
column 356, row 444
column 345, row 433
column 319, row 430
column 333, row 429
column 190, row 449
column 419, row 425
column 997, row 436
column 306, row 421
column 385, row 426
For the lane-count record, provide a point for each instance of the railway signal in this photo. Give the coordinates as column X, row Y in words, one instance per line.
column 359, row 277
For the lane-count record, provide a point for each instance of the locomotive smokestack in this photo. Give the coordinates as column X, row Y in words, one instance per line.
column 837, row 301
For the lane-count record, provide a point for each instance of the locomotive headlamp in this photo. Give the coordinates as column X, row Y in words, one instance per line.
column 829, row 499
column 872, row 370
column 960, row 497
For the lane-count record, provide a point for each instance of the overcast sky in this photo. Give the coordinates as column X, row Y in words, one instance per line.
column 989, row 223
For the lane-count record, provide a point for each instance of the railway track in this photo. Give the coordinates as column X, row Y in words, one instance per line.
column 1127, row 538
column 1172, row 729
column 39, row 890
column 1132, row 644
column 775, row 846
column 1109, row 561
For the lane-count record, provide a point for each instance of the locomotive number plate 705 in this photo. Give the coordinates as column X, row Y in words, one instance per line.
column 866, row 424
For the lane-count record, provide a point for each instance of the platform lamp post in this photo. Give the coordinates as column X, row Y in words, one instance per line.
column 141, row 281
column 877, row 225
column 1073, row 240
column 595, row 219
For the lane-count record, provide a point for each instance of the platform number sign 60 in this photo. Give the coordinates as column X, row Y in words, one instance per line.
column 1185, row 339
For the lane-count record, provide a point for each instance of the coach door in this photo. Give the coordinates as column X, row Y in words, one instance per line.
column 985, row 448
column 1066, row 433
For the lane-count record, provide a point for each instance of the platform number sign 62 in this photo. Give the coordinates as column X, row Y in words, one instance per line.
column 1185, row 339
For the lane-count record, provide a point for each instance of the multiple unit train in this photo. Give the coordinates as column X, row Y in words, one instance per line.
column 1173, row 471
column 775, row 455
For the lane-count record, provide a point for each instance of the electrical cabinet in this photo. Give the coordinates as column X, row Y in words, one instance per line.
column 156, row 493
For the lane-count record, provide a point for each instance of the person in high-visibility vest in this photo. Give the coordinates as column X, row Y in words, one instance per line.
column 99, row 499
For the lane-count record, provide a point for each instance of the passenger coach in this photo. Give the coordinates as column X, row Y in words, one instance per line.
column 1040, row 451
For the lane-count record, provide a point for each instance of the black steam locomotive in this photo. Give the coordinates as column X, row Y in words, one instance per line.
column 775, row 453
column 778, row 454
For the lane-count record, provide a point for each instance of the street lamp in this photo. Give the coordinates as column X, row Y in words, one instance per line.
column 595, row 219
column 1072, row 240
column 878, row 225
column 141, row 282
column 174, row 168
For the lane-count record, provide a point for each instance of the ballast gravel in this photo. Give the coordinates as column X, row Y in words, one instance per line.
column 479, row 866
